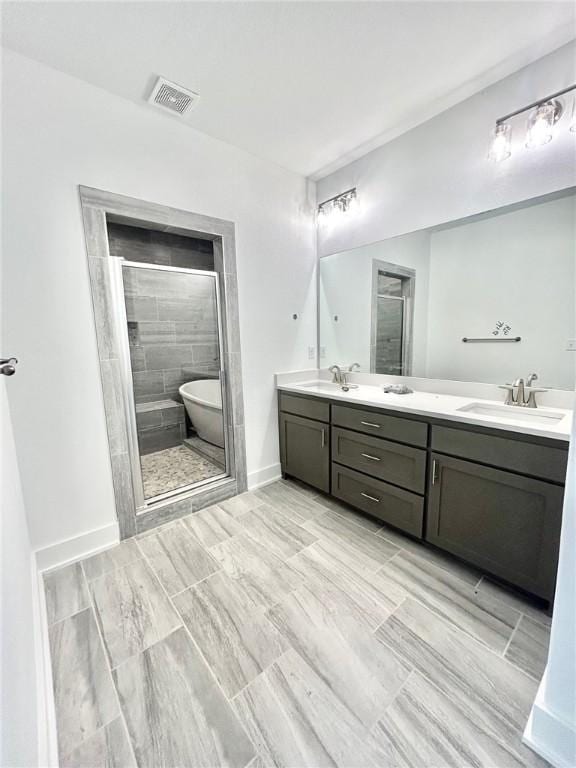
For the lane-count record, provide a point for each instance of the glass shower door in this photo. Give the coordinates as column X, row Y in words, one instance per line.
column 173, row 378
column 390, row 323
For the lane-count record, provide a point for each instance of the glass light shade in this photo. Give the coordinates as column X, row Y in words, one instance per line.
column 573, row 116
column 540, row 124
column 500, row 146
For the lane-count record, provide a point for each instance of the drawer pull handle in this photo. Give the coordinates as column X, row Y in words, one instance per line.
column 369, row 424
column 372, row 458
column 367, row 496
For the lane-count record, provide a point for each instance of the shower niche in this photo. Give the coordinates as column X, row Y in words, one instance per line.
column 165, row 305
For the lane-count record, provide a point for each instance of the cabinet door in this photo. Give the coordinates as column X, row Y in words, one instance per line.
column 305, row 451
column 505, row 523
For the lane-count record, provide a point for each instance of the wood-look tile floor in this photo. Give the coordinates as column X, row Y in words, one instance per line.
column 281, row 628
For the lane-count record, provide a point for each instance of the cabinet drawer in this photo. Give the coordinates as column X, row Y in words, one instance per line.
column 392, row 505
column 503, row 522
column 398, row 464
column 305, row 406
column 375, row 423
column 543, row 461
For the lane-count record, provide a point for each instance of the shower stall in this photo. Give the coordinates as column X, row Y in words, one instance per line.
column 166, row 313
column 171, row 316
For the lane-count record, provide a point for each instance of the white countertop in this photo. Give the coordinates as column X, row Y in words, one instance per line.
column 553, row 423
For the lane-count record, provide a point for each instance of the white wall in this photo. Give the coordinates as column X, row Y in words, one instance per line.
column 439, row 171
column 60, row 132
column 345, row 293
column 18, row 704
column 551, row 729
column 346, row 290
column 518, row 267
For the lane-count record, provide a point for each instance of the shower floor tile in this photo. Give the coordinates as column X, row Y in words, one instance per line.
column 172, row 468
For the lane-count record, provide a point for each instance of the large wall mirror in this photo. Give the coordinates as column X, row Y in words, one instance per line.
column 487, row 299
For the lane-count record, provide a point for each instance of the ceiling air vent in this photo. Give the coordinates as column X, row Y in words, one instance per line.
column 172, row 97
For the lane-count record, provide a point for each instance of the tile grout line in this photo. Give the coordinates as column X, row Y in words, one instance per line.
column 507, row 646
column 434, row 611
column 140, row 651
column 459, row 630
column 439, row 690
column 468, row 586
column 475, row 588
column 400, row 604
column 108, row 662
column 264, row 670
column 204, row 659
column 50, row 624
column 196, row 583
column 403, row 685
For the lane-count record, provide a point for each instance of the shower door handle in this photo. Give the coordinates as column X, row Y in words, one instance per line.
column 8, row 366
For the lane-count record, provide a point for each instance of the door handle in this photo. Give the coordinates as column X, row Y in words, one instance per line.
column 8, row 366
column 434, row 471
column 372, row 458
column 367, row 496
column 323, row 439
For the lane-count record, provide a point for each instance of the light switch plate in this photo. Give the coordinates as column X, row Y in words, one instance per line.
column 571, row 345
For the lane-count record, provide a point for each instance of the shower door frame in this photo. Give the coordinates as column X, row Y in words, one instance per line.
column 98, row 209
column 117, row 265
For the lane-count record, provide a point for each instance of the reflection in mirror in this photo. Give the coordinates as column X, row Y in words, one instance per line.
column 504, row 280
column 392, row 309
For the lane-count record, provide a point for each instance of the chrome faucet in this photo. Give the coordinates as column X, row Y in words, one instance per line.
column 344, row 376
column 336, row 372
column 521, row 393
column 519, row 386
column 340, row 376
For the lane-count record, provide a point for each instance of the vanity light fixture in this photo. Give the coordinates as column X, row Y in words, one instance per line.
column 500, row 147
column 342, row 203
column 544, row 114
column 573, row 116
column 541, row 123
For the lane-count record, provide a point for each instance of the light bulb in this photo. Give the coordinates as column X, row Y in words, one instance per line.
column 500, row 146
column 541, row 123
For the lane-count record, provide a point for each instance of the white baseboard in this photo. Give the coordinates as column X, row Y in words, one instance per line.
column 69, row 550
column 44, row 559
column 264, row 476
column 548, row 735
column 45, row 711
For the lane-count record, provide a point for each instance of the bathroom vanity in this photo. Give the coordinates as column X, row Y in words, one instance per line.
column 491, row 495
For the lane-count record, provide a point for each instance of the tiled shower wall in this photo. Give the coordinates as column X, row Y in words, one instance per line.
column 173, row 339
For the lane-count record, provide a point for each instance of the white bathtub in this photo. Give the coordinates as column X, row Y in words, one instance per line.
column 203, row 401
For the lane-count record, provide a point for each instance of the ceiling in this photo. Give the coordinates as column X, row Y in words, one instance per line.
column 307, row 85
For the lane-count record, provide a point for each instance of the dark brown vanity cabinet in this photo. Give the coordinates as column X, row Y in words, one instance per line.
column 503, row 522
column 489, row 497
column 305, row 442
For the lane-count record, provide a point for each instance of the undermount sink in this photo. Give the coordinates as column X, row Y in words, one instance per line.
column 326, row 386
column 514, row 413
